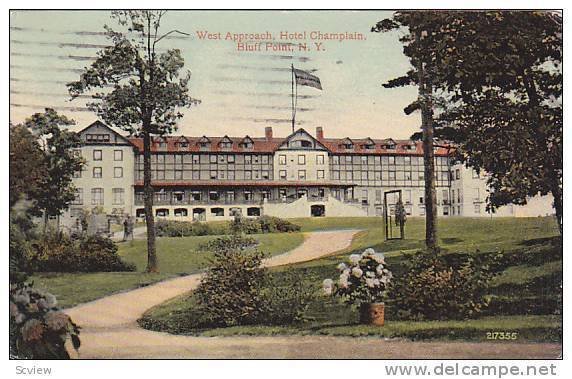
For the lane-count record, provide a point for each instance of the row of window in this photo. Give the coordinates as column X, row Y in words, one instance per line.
column 98, row 155
column 208, row 158
column 97, row 196
column 97, row 173
column 283, row 174
column 320, row 159
column 385, row 160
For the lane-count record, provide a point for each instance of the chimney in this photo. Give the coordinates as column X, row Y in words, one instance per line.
column 268, row 133
column 319, row 133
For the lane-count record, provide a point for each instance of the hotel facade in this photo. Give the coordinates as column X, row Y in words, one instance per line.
column 302, row 175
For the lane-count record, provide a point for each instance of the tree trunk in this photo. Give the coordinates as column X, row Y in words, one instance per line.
column 558, row 206
column 152, row 263
column 425, row 94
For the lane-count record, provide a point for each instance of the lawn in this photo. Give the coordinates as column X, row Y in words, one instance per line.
column 524, row 297
column 177, row 256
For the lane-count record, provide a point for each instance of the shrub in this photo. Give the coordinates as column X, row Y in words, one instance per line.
column 287, row 298
column 241, row 225
column 269, row 224
column 364, row 281
column 230, row 293
column 437, row 286
column 57, row 252
column 38, row 329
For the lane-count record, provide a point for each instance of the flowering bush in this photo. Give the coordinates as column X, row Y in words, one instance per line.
column 363, row 280
column 38, row 329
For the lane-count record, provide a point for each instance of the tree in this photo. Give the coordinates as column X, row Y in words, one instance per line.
column 145, row 90
column 415, row 43
column 499, row 83
column 503, row 73
column 54, row 191
column 27, row 164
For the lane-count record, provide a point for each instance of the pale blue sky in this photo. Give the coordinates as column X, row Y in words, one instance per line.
column 239, row 91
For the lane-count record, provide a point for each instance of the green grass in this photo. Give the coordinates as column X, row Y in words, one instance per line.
column 177, row 256
column 528, row 328
column 523, row 292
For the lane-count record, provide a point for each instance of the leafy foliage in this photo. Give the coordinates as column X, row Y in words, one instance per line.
column 27, row 164
column 438, row 286
column 38, row 329
column 50, row 165
column 148, row 89
column 57, row 252
column 497, row 77
column 230, row 293
column 169, row 228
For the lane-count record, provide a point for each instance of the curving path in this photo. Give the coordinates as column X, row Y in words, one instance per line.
column 110, row 330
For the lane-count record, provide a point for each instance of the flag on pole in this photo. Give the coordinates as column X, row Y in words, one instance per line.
column 304, row 78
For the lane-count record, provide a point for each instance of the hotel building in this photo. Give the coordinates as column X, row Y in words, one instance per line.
column 213, row 178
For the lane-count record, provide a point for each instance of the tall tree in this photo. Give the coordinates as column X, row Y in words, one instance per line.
column 415, row 42
column 502, row 71
column 27, row 164
column 145, row 90
column 498, row 77
column 55, row 190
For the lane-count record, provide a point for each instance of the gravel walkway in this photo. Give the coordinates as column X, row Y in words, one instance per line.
column 110, row 330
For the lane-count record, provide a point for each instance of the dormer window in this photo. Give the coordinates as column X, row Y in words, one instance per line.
column 247, row 143
column 304, row 144
column 225, row 143
column 204, row 143
column 161, row 143
column 389, row 145
column 182, row 143
column 347, row 144
column 368, row 144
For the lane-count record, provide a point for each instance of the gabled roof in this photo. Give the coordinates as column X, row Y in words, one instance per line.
column 303, row 132
column 119, row 139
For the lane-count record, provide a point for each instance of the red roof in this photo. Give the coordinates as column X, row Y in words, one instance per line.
column 264, row 145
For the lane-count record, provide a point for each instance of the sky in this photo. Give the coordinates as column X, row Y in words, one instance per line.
column 240, row 92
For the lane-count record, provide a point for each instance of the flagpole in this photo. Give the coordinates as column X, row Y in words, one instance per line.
column 293, row 110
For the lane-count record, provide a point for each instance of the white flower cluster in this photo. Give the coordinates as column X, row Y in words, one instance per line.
column 368, row 269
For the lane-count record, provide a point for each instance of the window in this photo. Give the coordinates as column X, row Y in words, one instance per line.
column 392, row 175
column 196, row 159
column 477, row 208
column 282, row 159
column 117, row 155
column 476, row 175
column 319, row 159
column 77, row 174
column 214, row 196
column 118, row 172
column 247, row 159
column 178, row 197
column 118, row 198
column 78, row 197
column 407, row 175
column 302, row 174
column 348, row 159
column 453, row 199
column 248, row 175
column 477, row 194
column 457, row 174
column 97, row 137
column 213, row 174
column 391, row 160
column 217, row 212
column 364, row 159
column 282, row 174
column 301, row 159
column 97, row 173
column 230, row 196
column 265, row 175
column 320, row 174
column 378, row 196
column 213, row 158
column 97, row 155
column 230, row 159
column 336, row 159
column 97, row 196
column 196, row 175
